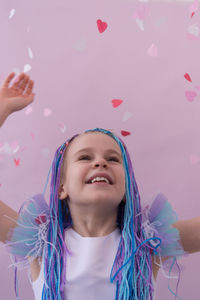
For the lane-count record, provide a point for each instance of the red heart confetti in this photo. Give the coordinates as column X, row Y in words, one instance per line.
column 192, row 14
column 41, row 219
column 101, row 26
column 125, row 133
column 187, row 76
column 17, row 161
column 116, row 102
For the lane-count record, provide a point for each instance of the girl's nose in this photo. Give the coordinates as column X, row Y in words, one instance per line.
column 100, row 162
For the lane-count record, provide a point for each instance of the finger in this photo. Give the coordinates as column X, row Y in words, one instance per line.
column 19, row 80
column 23, row 84
column 8, row 80
column 29, row 88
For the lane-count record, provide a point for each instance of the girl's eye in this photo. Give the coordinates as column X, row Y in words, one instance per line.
column 114, row 158
column 84, row 157
column 88, row 157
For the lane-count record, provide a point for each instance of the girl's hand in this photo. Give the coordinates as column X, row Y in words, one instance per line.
column 18, row 95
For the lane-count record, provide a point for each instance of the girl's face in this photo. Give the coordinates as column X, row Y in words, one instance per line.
column 88, row 155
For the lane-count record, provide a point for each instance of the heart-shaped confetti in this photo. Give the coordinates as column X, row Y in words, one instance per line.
column 116, row 102
column 62, row 127
column 152, row 51
column 102, row 26
column 194, row 30
column 15, row 147
column 30, row 53
column 142, row 12
column 12, row 13
column 140, row 24
column 194, row 159
column 125, row 133
column 32, row 135
column 17, row 162
column 190, row 95
column 28, row 110
column 187, row 76
column 47, row 112
column 27, row 68
column 127, row 115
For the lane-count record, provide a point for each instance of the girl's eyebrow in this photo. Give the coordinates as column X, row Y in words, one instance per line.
column 107, row 151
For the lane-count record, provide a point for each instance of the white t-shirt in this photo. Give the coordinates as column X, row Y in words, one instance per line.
column 89, row 267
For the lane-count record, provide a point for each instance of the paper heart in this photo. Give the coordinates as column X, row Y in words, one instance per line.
column 62, row 127
column 140, row 24
column 116, row 102
column 194, row 159
column 12, row 12
column 126, row 116
column 125, row 133
column 15, row 147
column 194, row 30
column 17, row 161
column 27, row 68
column 32, row 135
column 47, row 112
column 30, row 53
column 152, row 51
column 190, row 95
column 187, row 76
column 101, row 25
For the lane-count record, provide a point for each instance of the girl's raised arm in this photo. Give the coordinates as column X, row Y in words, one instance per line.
column 15, row 96
column 8, row 218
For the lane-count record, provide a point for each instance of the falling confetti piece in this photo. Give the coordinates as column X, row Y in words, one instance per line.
column 126, row 116
column 193, row 13
column 47, row 112
column 27, row 68
column 17, row 161
column 30, row 53
column 32, row 135
column 62, row 127
column 193, row 30
column 15, row 147
column 142, row 12
column 194, row 159
column 190, row 95
column 191, row 37
column 6, row 149
column 187, row 76
column 28, row 110
column 125, row 133
column 116, row 102
column 12, row 13
column 80, row 45
column 152, row 51
column 140, row 24
column 101, row 26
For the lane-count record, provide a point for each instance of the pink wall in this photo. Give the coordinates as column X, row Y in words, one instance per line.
column 77, row 72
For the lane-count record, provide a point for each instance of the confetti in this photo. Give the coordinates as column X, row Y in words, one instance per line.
column 190, row 95
column 194, row 7
column 142, row 12
column 194, row 159
column 187, row 76
column 15, row 147
column 125, row 133
column 47, row 112
column 30, row 53
column 27, row 68
column 62, row 127
column 140, row 24
column 12, row 13
column 152, row 51
column 101, row 26
column 116, row 102
column 126, row 116
column 6, row 149
column 193, row 30
column 32, row 135
column 28, row 110
column 17, row 162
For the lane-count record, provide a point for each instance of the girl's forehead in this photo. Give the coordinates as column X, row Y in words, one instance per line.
column 93, row 140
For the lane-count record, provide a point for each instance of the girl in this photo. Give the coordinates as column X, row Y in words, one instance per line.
column 93, row 241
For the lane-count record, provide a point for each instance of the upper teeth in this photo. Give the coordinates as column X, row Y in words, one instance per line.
column 99, row 179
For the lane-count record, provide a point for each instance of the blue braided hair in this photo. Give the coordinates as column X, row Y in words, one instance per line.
column 132, row 267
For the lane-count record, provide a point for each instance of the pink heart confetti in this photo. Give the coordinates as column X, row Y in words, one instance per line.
column 17, row 162
column 47, row 112
column 62, row 127
column 32, row 135
column 191, row 37
column 28, row 110
column 102, row 26
column 12, row 13
column 152, row 51
column 27, row 68
column 187, row 76
column 116, row 102
column 190, row 95
column 126, row 116
column 125, row 133
column 194, row 159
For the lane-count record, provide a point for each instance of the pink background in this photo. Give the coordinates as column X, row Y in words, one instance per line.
column 77, row 72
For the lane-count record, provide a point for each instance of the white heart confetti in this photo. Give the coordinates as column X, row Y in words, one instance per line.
column 47, row 112
column 12, row 13
column 127, row 115
column 140, row 23
column 30, row 53
column 27, row 68
column 28, row 110
column 193, row 29
column 62, row 127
